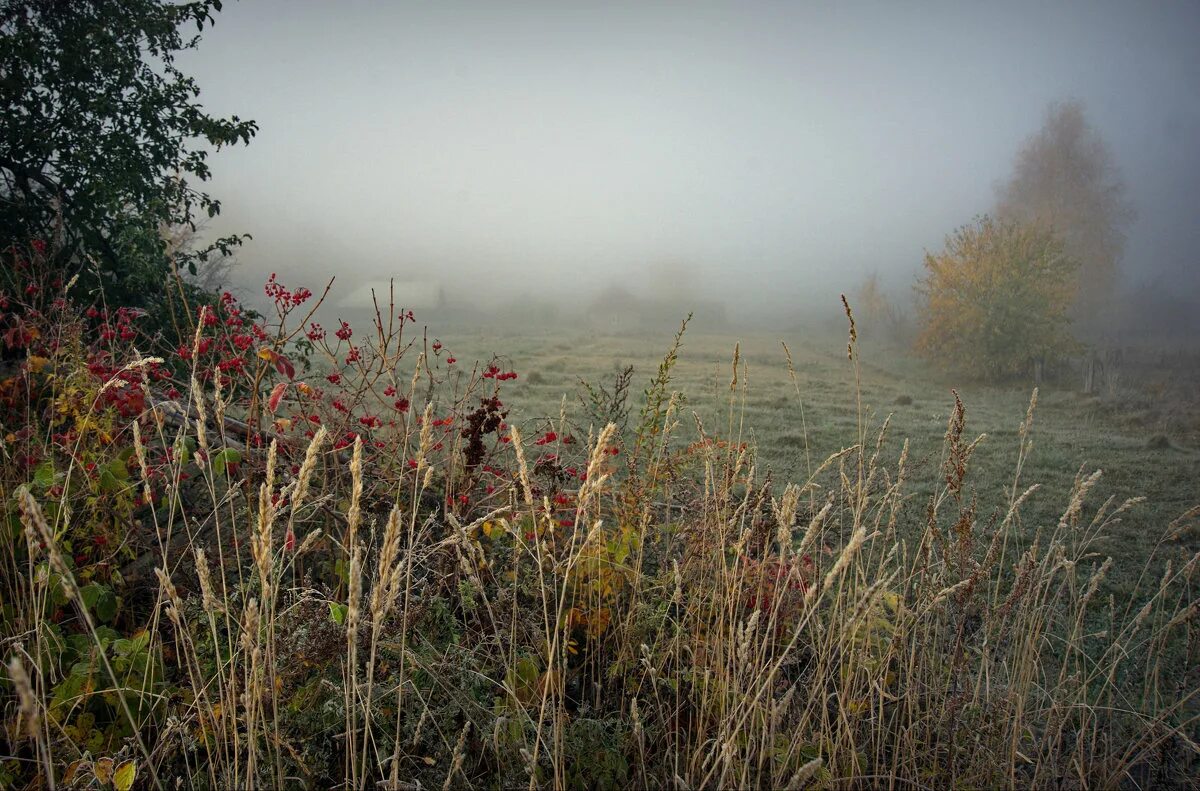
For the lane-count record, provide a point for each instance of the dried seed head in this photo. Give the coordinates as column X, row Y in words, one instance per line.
column 737, row 358
column 522, row 468
column 197, row 394
column 311, row 454
column 29, row 710
column 308, row 541
column 383, row 596
column 35, row 524
column 785, row 514
column 457, row 760
column 168, row 588
column 354, row 514
column 140, row 451
column 355, row 598
column 805, row 773
column 853, row 329
column 250, row 625
column 207, row 598
column 425, row 441
column 204, row 310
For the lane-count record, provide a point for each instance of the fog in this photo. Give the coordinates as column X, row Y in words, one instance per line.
column 769, row 155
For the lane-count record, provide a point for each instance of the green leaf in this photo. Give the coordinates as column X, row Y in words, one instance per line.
column 106, row 606
column 119, row 469
column 89, row 594
column 108, row 481
column 337, row 612
column 224, row 458
column 43, row 476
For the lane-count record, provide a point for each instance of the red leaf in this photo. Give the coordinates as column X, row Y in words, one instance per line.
column 284, row 366
column 276, row 396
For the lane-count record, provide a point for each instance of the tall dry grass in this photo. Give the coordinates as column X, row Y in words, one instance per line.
column 694, row 626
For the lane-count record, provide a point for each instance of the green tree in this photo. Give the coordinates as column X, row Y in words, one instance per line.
column 996, row 299
column 103, row 139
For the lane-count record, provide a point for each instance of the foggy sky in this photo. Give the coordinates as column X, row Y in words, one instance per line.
column 776, row 151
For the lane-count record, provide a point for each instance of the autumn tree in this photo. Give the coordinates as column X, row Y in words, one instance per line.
column 996, row 299
column 1066, row 178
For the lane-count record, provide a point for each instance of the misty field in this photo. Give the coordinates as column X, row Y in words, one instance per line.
column 1148, row 446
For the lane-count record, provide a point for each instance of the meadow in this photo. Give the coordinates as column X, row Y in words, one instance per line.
column 1147, row 446
column 285, row 556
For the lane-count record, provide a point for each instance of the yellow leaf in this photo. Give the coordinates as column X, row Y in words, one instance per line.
column 429, row 761
column 125, row 775
column 104, row 770
column 266, row 354
column 36, row 364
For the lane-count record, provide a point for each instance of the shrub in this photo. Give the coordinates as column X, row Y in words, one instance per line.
column 996, row 299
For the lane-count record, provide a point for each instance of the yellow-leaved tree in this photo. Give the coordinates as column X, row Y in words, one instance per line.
column 996, row 299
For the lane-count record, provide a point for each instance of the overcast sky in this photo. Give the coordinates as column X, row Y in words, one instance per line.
column 775, row 151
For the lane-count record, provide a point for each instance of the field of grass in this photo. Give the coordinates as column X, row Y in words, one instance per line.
column 771, row 410
column 224, row 569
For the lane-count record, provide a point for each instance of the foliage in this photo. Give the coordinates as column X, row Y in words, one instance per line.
column 1066, row 178
column 101, row 135
column 996, row 299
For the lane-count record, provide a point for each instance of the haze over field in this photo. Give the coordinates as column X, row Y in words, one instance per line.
column 772, row 154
